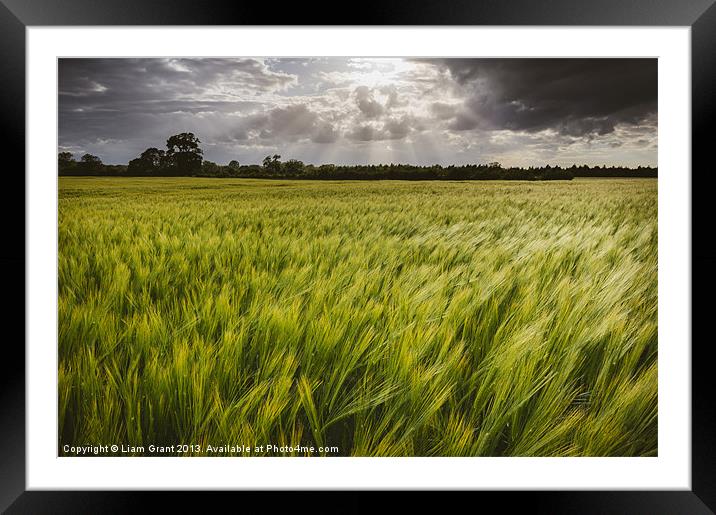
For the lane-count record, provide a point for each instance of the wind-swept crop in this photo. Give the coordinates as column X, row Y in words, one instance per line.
column 383, row 318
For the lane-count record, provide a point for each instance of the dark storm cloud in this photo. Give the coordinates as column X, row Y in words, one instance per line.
column 571, row 96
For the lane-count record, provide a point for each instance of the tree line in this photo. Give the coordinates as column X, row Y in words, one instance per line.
column 183, row 157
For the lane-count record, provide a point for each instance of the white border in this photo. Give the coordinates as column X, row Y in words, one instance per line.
column 670, row 470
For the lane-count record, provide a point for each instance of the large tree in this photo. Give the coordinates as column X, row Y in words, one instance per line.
column 91, row 164
column 183, row 156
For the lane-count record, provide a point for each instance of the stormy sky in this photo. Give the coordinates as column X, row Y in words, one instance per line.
column 519, row 112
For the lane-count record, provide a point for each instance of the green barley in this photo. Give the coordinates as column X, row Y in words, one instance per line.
column 385, row 318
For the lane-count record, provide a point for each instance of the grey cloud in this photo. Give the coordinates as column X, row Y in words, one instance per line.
column 290, row 123
column 371, row 108
column 296, row 120
column 163, row 79
column 573, row 96
column 367, row 104
column 325, row 133
column 391, row 129
column 394, row 99
column 397, row 129
column 443, row 111
column 464, row 121
column 236, row 134
column 363, row 133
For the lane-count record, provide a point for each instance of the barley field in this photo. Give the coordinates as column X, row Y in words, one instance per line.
column 374, row 318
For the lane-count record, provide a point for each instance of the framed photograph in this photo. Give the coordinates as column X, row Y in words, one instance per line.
column 420, row 249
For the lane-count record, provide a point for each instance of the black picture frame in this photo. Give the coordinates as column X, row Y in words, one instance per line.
column 699, row 15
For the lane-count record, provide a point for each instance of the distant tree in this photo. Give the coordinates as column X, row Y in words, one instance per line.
column 210, row 169
column 114, row 170
column 65, row 163
column 150, row 162
column 137, row 167
column 183, row 156
column 457, row 173
column 233, row 169
column 293, row 167
column 153, row 157
column 327, row 170
column 91, row 160
column 252, row 170
column 273, row 164
column 90, row 164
